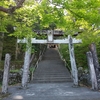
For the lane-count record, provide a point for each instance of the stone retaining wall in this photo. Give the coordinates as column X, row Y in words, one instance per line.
column 14, row 77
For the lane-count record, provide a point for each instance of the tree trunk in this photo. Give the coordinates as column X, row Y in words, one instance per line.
column 6, row 74
column 1, row 44
column 92, row 48
column 1, row 47
column 73, row 63
column 92, row 71
column 16, row 52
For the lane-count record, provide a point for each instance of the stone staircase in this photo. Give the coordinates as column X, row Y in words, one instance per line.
column 51, row 69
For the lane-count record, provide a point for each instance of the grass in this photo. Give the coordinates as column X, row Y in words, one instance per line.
column 14, row 71
column 32, row 69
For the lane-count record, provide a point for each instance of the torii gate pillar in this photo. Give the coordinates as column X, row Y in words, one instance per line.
column 26, row 65
column 74, row 71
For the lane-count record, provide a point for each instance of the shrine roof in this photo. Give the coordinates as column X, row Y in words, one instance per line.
column 55, row 33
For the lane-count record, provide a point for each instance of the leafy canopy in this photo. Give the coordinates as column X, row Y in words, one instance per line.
column 72, row 16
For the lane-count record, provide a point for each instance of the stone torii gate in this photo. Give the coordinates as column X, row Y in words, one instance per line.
column 70, row 41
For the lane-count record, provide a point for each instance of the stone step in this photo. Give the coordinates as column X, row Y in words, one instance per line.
column 50, row 74
column 46, row 77
column 51, row 80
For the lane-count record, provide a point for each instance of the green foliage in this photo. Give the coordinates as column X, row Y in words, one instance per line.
column 65, row 54
column 1, row 65
column 32, row 69
column 67, row 15
column 80, row 55
column 9, row 46
column 15, row 71
column 3, row 22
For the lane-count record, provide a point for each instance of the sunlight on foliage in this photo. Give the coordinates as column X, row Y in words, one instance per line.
column 71, row 16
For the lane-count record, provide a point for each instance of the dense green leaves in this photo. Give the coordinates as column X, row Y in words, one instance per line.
column 72, row 16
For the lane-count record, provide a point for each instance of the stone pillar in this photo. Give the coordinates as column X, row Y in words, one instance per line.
column 73, row 63
column 6, row 74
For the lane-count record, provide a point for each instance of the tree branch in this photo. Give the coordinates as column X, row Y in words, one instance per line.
column 20, row 3
column 11, row 9
column 3, row 9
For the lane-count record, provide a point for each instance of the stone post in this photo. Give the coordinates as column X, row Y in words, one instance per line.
column 6, row 73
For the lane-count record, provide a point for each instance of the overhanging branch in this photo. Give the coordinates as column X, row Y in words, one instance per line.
column 11, row 9
column 3, row 9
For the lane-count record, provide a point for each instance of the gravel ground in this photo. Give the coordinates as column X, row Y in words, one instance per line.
column 52, row 91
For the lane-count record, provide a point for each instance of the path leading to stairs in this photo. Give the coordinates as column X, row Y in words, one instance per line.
column 52, row 81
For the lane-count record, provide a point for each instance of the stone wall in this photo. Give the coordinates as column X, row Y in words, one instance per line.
column 84, row 76
column 14, row 77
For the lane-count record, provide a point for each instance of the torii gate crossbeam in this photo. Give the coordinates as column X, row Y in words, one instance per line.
column 58, row 41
